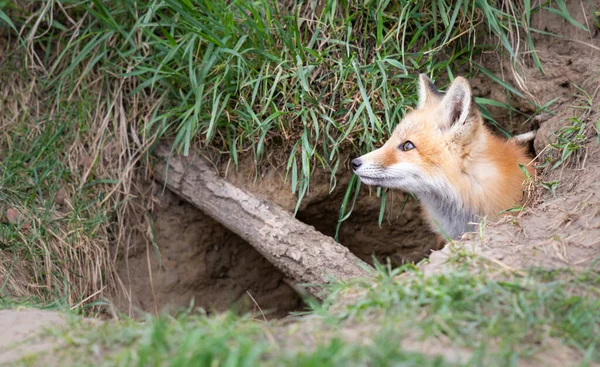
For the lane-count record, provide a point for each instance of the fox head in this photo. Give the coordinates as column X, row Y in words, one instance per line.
column 429, row 147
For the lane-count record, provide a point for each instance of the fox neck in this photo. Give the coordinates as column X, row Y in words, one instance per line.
column 453, row 211
column 447, row 213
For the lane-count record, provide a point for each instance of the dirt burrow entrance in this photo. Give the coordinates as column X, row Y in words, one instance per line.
column 196, row 259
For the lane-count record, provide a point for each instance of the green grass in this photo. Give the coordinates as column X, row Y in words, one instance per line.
column 494, row 320
column 570, row 140
column 195, row 340
column 248, row 77
column 55, row 228
column 11, row 303
column 473, row 309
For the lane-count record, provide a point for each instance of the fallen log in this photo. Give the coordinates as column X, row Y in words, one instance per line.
column 298, row 250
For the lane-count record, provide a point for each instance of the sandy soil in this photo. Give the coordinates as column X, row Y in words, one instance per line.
column 23, row 333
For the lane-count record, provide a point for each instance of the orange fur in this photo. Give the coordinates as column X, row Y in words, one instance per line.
column 453, row 150
column 506, row 187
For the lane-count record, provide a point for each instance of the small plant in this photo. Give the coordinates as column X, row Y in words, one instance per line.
column 569, row 140
column 550, row 186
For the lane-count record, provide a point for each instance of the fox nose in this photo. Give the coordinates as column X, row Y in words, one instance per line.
column 356, row 163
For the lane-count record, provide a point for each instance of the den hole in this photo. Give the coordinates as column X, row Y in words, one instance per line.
column 204, row 264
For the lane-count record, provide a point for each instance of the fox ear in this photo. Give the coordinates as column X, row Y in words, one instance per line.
column 428, row 93
column 456, row 105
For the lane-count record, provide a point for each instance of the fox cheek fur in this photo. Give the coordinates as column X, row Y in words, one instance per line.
column 443, row 154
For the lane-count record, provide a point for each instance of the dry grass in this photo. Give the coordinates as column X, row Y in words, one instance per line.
column 74, row 222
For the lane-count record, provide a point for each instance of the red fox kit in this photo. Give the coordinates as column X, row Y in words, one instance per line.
column 444, row 155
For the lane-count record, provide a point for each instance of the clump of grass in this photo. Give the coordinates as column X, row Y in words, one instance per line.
column 570, row 140
column 54, row 234
column 195, row 339
column 11, row 303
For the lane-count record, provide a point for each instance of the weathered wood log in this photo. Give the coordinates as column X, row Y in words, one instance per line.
column 296, row 249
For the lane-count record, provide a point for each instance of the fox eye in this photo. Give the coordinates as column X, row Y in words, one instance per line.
column 406, row 146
